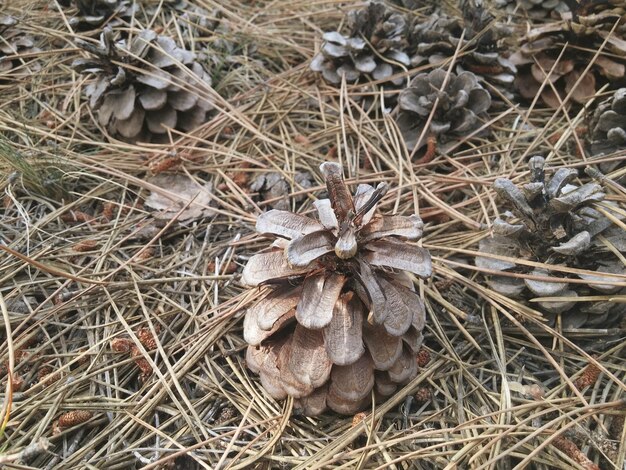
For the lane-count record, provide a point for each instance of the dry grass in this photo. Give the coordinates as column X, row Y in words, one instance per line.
column 96, row 266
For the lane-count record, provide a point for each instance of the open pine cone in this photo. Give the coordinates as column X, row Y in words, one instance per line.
column 14, row 42
column 156, row 87
column 373, row 46
column 584, row 35
column 436, row 39
column 554, row 222
column 342, row 317
column 461, row 103
column 93, row 13
column 534, row 9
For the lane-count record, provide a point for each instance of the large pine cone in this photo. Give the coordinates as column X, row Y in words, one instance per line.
column 554, row 222
column 460, row 105
column 342, row 317
column 372, row 47
column 584, row 35
column 156, row 88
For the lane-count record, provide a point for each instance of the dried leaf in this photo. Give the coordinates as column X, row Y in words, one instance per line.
column 342, row 336
column 286, row 224
column 306, row 249
column 308, row 360
column 272, row 266
column 399, row 255
column 320, row 292
column 179, row 193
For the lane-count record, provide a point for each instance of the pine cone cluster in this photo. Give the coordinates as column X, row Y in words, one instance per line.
column 342, row 317
column 14, row 42
column 459, row 105
column 476, row 35
column 541, row 58
column 157, row 86
column 373, row 46
column 608, row 125
column 553, row 221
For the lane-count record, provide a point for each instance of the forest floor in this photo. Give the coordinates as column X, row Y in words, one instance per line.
column 122, row 343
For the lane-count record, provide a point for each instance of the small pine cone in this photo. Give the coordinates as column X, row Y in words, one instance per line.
column 74, row 418
column 543, row 46
column 14, row 43
column 461, row 104
column 423, row 394
column 557, row 219
column 275, row 188
column 608, row 129
column 342, row 318
column 156, row 91
column 374, row 43
column 357, row 418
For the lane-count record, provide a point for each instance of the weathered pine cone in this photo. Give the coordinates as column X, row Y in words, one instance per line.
column 461, row 104
column 436, row 39
column 156, row 88
column 541, row 47
column 372, row 48
column 608, row 127
column 554, row 222
column 93, row 13
column 14, row 42
column 342, row 317
column 534, row 9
